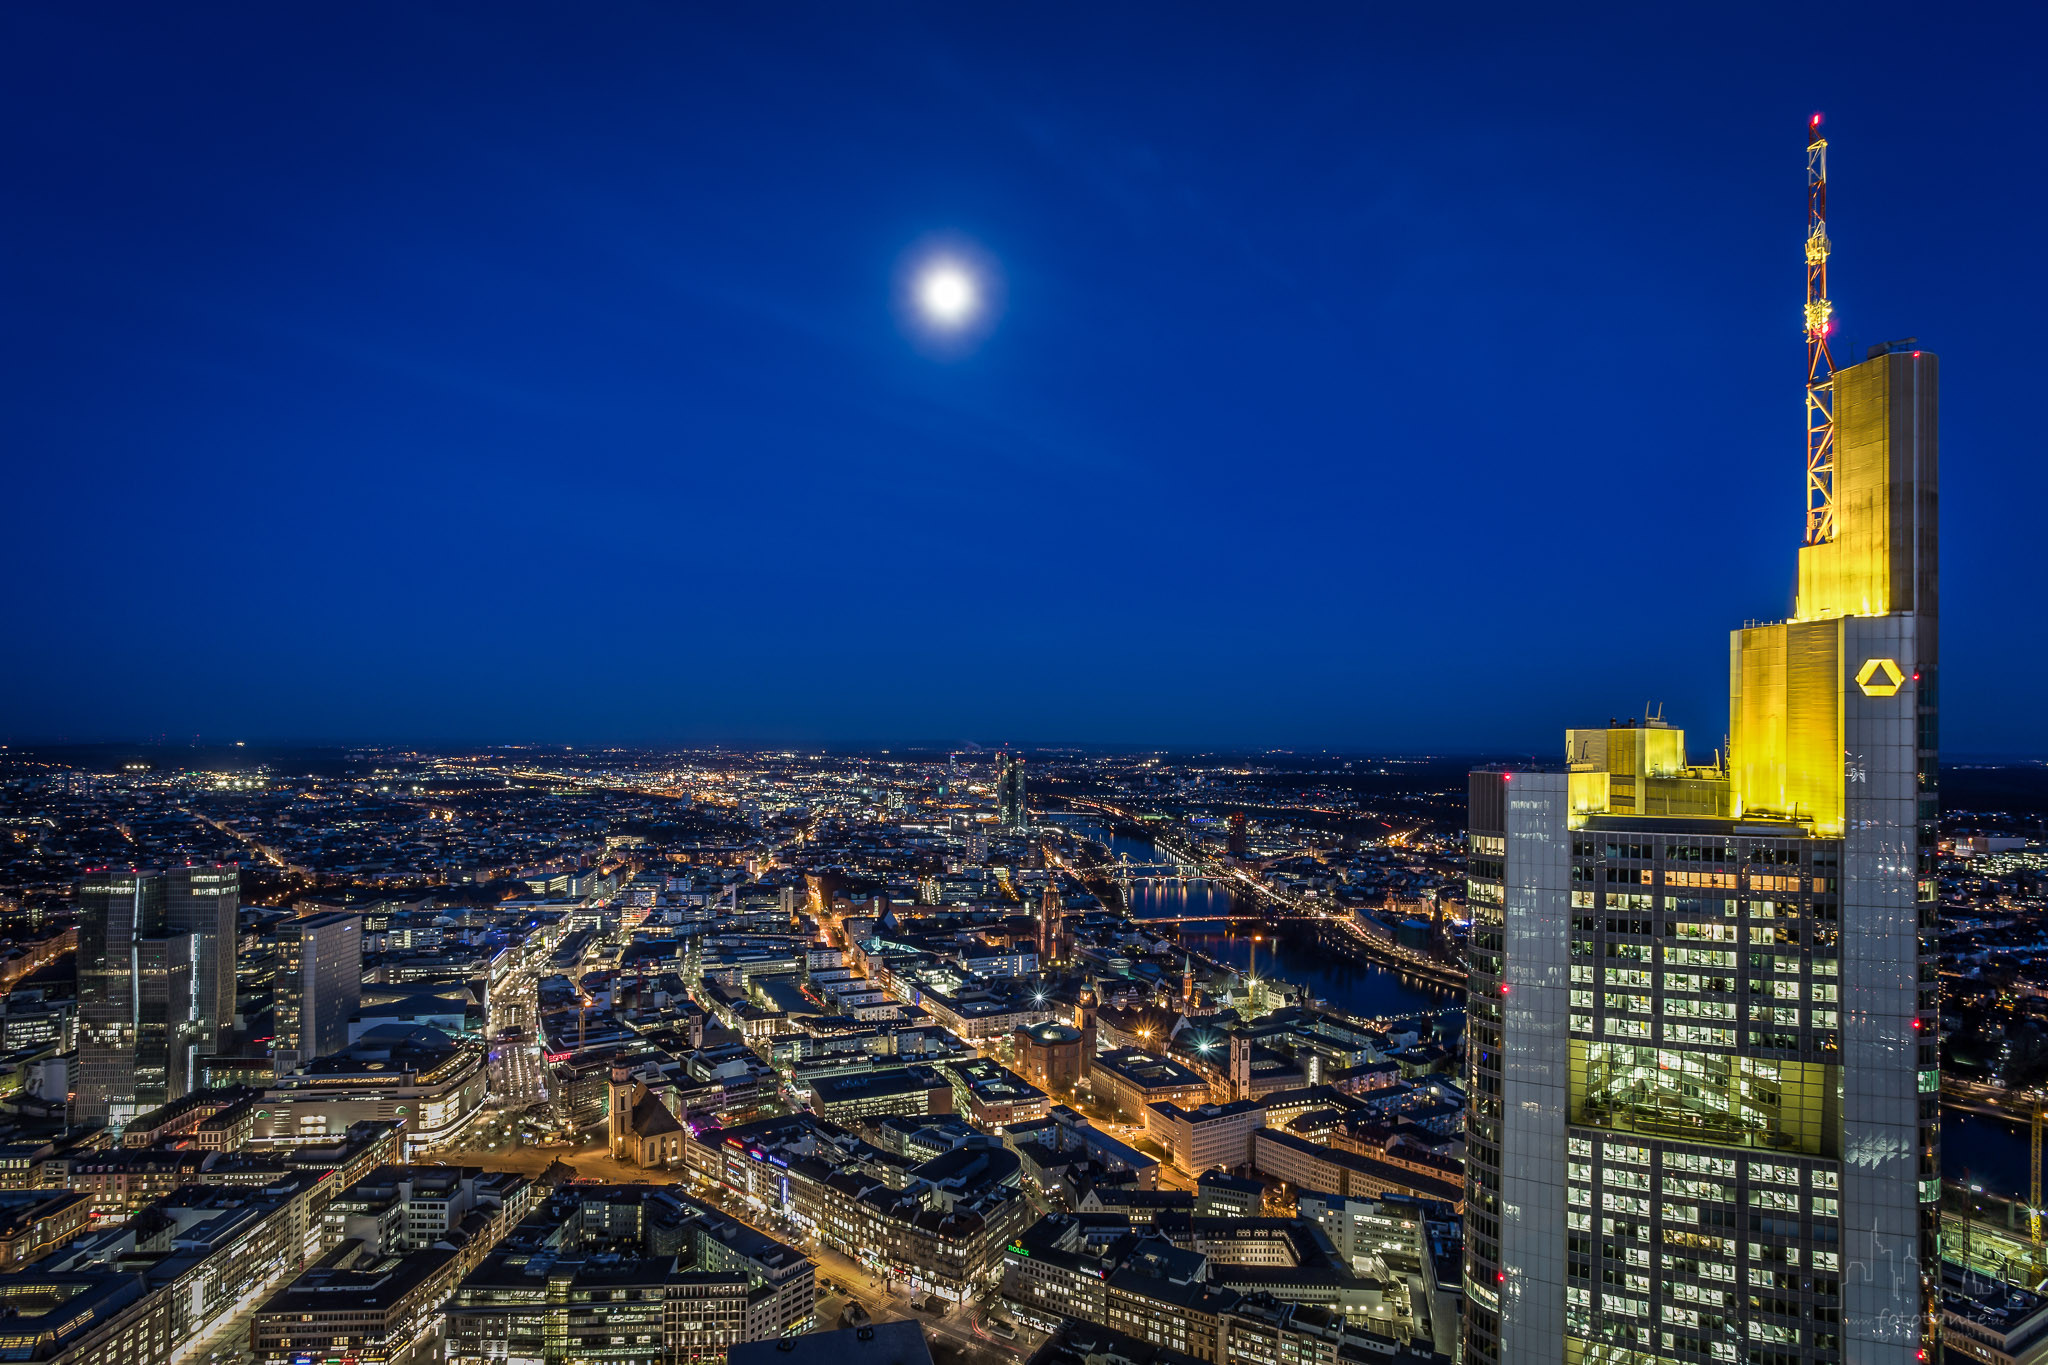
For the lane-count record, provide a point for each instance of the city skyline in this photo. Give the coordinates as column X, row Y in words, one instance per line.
column 412, row 399
column 501, row 491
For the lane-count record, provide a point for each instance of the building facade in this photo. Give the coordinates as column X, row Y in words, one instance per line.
column 319, row 986
column 202, row 902
column 1206, row 1136
column 622, row 1274
column 1129, row 1082
column 1703, row 1003
column 138, row 1030
column 1010, row 811
column 430, row 1097
column 1050, row 1056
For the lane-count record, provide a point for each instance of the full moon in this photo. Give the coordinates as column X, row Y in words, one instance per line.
column 946, row 293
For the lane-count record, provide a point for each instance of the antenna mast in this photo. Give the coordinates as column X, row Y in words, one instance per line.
column 1820, row 365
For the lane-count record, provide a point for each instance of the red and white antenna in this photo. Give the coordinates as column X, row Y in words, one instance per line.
column 1820, row 364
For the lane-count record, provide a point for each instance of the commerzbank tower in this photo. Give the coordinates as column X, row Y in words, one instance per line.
column 1704, row 1122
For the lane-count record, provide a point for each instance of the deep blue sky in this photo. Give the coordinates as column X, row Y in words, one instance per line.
column 1365, row 379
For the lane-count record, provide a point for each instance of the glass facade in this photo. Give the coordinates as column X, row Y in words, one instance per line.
column 138, row 1022
column 1703, row 1004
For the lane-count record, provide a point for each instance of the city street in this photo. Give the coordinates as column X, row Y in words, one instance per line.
column 962, row 1327
column 961, row 1330
column 518, row 1075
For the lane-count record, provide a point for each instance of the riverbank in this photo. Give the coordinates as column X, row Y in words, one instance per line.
column 1203, row 911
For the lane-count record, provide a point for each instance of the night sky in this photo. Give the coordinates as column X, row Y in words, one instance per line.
column 1360, row 379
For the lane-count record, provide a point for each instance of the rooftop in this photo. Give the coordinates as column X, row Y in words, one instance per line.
column 881, row 1343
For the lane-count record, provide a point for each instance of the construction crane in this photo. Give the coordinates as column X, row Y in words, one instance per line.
column 1820, row 362
column 2034, row 1170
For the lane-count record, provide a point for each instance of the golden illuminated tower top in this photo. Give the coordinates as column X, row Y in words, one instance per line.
column 1870, row 551
column 1870, row 515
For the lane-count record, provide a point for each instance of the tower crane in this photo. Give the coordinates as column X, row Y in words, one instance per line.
column 2034, row 1188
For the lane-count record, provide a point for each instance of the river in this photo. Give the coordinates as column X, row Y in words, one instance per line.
column 1976, row 1150
column 1367, row 990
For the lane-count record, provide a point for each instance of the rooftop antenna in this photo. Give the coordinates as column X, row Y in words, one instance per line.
column 1820, row 364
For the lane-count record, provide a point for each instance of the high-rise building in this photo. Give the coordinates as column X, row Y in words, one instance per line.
column 139, row 1024
column 1703, row 1005
column 319, row 986
column 1010, row 812
column 202, row 903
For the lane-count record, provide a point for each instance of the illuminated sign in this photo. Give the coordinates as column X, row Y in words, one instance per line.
column 1879, row 678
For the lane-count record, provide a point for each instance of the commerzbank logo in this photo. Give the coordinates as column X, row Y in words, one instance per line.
column 1879, row 678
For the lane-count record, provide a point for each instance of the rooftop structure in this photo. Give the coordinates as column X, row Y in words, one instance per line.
column 880, row 1343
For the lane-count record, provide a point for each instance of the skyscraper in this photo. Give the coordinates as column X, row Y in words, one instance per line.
column 1010, row 812
column 1703, row 1005
column 139, row 1025
column 202, row 903
column 319, row 986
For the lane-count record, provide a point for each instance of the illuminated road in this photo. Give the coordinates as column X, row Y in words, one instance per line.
column 518, row 1078
column 884, row 1299
column 1991, row 1101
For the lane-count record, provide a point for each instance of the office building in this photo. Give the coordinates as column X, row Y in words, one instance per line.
column 418, row 1077
column 1207, row 1136
column 1705, row 1091
column 1219, row 1291
column 897, row 1090
column 626, row 1274
column 1129, row 1081
column 1010, row 811
column 372, row 1311
column 881, row 1343
column 319, row 986
column 233, row 1242
column 992, row 1097
column 139, row 1027
column 33, row 1223
column 202, row 902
